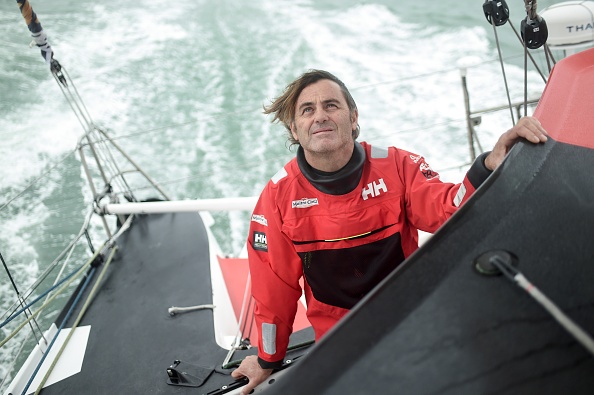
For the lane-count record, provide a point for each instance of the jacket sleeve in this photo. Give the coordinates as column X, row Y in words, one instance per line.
column 275, row 270
column 429, row 202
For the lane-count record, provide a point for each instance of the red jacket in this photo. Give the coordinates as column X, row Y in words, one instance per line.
column 342, row 241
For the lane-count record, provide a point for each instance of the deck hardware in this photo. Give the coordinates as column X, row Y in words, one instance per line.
column 187, row 375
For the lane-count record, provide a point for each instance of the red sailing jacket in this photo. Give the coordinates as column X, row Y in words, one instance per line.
column 343, row 242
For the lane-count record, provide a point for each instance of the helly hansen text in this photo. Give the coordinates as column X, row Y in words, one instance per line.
column 374, row 189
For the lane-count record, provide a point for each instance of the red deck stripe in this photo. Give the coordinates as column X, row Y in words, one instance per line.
column 235, row 272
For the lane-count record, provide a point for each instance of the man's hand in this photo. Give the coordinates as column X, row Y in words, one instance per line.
column 528, row 128
column 251, row 369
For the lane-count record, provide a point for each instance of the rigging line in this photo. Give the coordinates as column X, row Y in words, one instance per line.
column 107, row 244
column 74, row 99
column 137, row 167
column 525, row 79
column 117, row 176
column 229, row 114
column 78, row 319
column 177, row 125
column 442, row 71
column 567, row 323
column 64, row 264
column 66, row 318
column 36, row 180
column 417, row 128
column 51, row 266
column 548, row 57
column 238, row 335
column 14, row 361
column 22, row 301
column 98, row 152
column 544, row 79
column 96, row 156
column 424, row 75
column 503, row 72
column 101, row 152
column 252, row 315
column 58, row 292
column 226, row 114
column 247, row 319
column 37, row 299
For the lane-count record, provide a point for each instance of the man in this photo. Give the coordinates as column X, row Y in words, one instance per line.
column 342, row 214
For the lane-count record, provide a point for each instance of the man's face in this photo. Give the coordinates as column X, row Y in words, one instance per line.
column 323, row 123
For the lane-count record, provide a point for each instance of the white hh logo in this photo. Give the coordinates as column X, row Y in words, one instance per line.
column 260, row 238
column 260, row 243
column 374, row 189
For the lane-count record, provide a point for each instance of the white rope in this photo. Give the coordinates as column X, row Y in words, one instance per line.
column 578, row 333
column 177, row 310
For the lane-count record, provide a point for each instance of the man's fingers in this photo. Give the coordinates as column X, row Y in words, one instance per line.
column 531, row 129
column 247, row 388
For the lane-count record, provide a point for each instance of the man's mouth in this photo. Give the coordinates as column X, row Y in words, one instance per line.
column 322, row 130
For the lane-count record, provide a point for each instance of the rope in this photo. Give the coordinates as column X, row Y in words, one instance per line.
column 64, row 287
column 242, row 315
column 58, row 258
column 70, row 311
column 519, row 279
column 503, row 72
column 10, row 200
column 530, row 55
column 108, row 244
column 78, row 319
column 177, row 310
column 19, row 312
column 530, row 8
column 21, row 300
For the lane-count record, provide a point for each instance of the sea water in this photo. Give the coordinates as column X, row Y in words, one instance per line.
column 181, row 86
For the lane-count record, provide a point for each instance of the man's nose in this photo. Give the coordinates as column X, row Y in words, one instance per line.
column 321, row 115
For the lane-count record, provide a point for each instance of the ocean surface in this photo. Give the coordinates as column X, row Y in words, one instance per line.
column 181, row 86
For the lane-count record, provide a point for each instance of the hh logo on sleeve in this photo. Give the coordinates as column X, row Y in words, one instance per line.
column 259, row 241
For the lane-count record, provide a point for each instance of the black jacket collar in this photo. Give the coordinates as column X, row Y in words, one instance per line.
column 339, row 182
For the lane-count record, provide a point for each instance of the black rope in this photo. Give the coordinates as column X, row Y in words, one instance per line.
column 20, row 299
column 89, row 241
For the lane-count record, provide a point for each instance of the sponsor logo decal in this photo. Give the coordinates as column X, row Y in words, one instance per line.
column 426, row 170
column 259, row 219
column 374, row 189
column 259, row 241
column 304, row 203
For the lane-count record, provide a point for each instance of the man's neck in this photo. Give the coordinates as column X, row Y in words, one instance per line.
column 339, row 182
column 330, row 162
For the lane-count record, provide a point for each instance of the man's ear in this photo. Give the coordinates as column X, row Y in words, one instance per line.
column 293, row 132
column 354, row 119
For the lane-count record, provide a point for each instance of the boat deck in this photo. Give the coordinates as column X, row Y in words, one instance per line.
column 162, row 261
